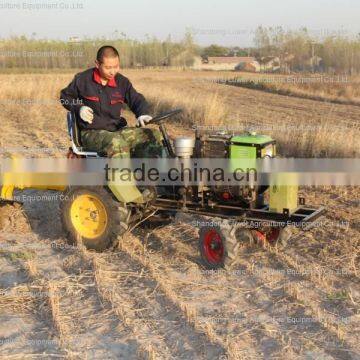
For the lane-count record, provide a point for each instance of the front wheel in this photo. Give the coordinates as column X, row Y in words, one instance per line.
column 220, row 246
column 93, row 216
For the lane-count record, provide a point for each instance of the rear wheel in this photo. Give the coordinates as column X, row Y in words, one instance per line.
column 93, row 216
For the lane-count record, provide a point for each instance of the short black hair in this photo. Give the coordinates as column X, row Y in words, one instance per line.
column 106, row 51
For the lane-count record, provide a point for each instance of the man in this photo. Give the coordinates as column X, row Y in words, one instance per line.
column 97, row 96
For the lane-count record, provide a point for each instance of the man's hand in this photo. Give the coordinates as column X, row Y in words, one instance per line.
column 143, row 120
column 87, row 114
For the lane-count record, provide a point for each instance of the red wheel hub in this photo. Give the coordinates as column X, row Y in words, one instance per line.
column 213, row 247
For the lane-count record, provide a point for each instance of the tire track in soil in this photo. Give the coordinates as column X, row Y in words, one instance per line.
column 187, row 309
column 91, row 327
column 253, row 340
column 99, row 333
column 84, row 325
column 332, row 316
column 306, row 303
column 26, row 330
column 288, row 299
column 154, row 319
column 65, row 281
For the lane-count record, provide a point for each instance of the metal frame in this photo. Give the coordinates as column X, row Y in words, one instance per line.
column 302, row 215
column 71, row 120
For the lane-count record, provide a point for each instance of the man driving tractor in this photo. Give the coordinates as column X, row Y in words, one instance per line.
column 97, row 97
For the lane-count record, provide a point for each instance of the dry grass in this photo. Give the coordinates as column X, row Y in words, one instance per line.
column 209, row 104
column 201, row 108
column 35, row 97
column 18, row 299
column 31, row 268
column 11, row 217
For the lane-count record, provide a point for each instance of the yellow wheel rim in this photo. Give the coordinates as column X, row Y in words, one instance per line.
column 88, row 216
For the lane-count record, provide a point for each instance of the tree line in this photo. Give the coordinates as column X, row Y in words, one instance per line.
column 24, row 52
column 299, row 50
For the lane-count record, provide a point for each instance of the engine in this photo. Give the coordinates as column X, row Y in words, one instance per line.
column 240, row 150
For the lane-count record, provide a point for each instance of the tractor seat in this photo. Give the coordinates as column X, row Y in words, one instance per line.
column 75, row 136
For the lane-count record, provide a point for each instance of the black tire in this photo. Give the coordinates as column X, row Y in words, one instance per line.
column 236, row 236
column 117, row 218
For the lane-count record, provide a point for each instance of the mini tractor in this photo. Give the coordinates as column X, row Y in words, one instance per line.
column 100, row 215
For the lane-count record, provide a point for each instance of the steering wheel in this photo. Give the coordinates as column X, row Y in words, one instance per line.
column 164, row 116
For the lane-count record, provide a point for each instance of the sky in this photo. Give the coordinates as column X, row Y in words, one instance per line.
column 226, row 22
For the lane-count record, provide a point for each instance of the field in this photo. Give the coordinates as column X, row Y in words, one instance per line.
column 151, row 298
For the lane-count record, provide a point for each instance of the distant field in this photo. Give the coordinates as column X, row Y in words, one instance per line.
column 342, row 89
column 339, row 89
